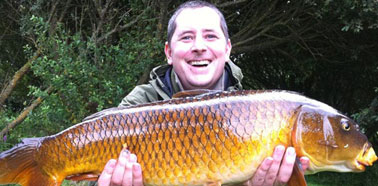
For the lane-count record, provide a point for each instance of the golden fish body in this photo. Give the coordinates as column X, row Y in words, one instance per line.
column 212, row 138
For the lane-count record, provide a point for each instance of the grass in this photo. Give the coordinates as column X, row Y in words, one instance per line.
column 367, row 178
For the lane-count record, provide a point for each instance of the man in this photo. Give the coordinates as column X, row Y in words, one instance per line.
column 197, row 51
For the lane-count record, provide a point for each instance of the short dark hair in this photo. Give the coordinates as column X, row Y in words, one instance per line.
column 195, row 4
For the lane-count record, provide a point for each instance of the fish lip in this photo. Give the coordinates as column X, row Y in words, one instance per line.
column 360, row 166
column 362, row 163
column 366, row 157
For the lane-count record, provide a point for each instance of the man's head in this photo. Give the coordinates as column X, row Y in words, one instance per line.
column 198, row 44
column 195, row 4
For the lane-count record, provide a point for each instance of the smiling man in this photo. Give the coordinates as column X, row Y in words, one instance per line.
column 197, row 52
column 198, row 49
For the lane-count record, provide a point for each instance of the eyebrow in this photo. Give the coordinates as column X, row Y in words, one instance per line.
column 210, row 30
column 190, row 32
column 185, row 32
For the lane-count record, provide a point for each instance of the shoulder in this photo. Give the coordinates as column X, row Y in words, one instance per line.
column 150, row 92
column 140, row 94
column 235, row 70
column 236, row 76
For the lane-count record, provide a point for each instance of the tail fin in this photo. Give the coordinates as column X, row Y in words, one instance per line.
column 18, row 165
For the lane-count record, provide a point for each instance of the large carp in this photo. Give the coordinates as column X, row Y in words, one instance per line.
column 218, row 138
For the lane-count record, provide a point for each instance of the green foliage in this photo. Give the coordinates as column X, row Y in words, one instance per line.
column 355, row 15
column 367, row 178
column 323, row 49
column 6, row 117
column 368, row 121
column 85, row 77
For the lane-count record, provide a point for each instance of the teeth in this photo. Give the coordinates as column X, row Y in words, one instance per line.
column 199, row 63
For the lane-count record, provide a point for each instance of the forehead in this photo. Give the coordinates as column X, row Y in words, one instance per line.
column 198, row 18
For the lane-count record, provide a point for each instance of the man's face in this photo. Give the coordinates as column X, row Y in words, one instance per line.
column 198, row 49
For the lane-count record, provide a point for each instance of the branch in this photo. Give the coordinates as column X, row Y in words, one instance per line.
column 258, row 17
column 52, row 12
column 62, row 15
column 231, row 3
column 101, row 13
column 15, row 11
column 163, row 7
column 266, row 29
column 118, row 29
column 255, row 47
column 23, row 114
column 17, row 76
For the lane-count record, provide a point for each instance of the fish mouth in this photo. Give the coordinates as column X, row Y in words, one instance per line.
column 199, row 63
column 366, row 158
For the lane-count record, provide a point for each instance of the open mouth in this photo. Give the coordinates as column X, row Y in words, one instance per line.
column 366, row 158
column 202, row 63
column 360, row 166
column 360, row 163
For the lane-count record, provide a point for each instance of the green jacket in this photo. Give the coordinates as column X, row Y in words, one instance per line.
column 162, row 85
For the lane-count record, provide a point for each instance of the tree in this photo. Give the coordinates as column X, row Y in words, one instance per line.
column 75, row 44
column 63, row 60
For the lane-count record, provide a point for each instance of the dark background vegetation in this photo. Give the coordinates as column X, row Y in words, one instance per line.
column 63, row 60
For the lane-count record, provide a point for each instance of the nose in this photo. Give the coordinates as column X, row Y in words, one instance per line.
column 199, row 45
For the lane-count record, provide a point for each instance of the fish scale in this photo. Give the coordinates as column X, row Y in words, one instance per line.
column 218, row 138
column 201, row 161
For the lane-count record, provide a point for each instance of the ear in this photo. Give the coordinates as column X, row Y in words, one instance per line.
column 228, row 50
column 168, row 53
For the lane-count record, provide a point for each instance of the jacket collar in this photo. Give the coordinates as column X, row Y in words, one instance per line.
column 168, row 81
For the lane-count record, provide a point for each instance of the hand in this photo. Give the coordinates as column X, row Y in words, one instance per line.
column 126, row 171
column 278, row 168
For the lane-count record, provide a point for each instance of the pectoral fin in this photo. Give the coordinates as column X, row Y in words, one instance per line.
column 213, row 183
column 81, row 177
column 297, row 177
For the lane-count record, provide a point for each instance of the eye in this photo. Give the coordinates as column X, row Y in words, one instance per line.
column 186, row 38
column 211, row 36
column 345, row 125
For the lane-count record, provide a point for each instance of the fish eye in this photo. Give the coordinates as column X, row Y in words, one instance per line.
column 345, row 125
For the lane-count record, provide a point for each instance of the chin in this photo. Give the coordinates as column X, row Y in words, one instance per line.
column 201, row 85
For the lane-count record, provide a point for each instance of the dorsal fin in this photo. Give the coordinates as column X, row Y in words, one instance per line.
column 183, row 94
column 193, row 93
column 101, row 113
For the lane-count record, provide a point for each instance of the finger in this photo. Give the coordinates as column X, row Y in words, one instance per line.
column 119, row 169
column 106, row 175
column 128, row 175
column 305, row 162
column 278, row 154
column 247, row 183
column 287, row 165
column 137, row 175
column 259, row 177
